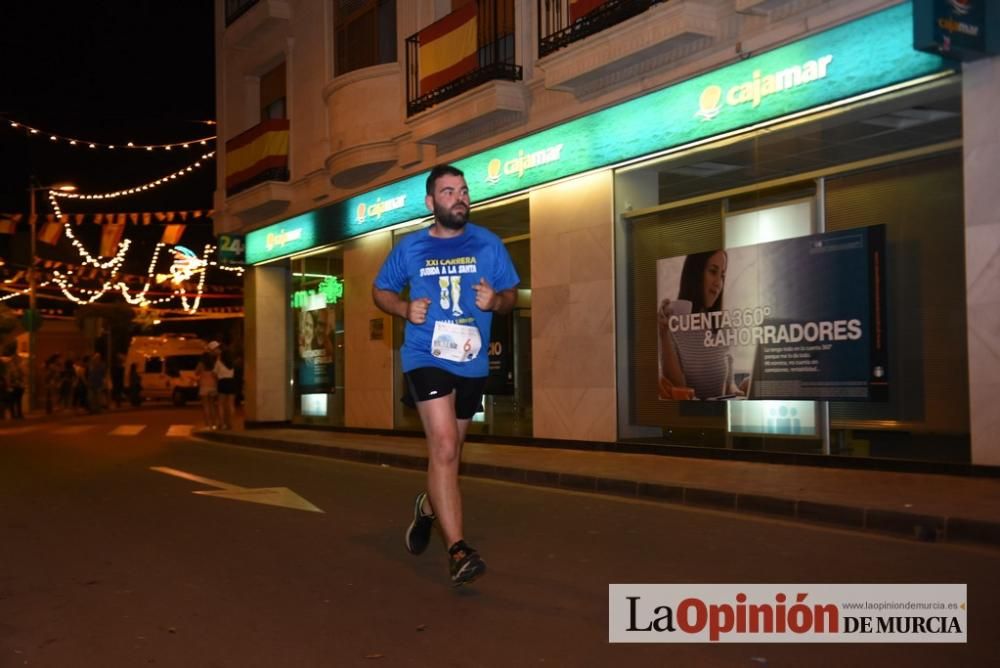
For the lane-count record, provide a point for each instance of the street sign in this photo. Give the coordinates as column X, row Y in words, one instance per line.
column 231, row 249
column 957, row 29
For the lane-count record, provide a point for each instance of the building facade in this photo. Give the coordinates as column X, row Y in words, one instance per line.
column 600, row 140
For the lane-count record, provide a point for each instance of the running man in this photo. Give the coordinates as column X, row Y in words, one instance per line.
column 459, row 274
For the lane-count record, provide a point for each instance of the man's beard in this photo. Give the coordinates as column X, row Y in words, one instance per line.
column 453, row 220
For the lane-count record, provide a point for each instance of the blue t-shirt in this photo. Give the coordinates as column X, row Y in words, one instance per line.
column 445, row 270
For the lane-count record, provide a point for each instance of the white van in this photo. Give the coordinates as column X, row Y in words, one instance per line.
column 166, row 366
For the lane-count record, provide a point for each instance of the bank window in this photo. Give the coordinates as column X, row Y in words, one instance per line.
column 272, row 94
column 317, row 304
column 364, row 34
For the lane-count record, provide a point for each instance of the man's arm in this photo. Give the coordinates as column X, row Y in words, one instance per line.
column 390, row 302
column 415, row 311
column 505, row 300
column 488, row 299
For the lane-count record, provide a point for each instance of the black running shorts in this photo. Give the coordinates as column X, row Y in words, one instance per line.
column 430, row 382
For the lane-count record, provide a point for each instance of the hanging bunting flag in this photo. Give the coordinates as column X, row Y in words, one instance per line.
column 172, row 234
column 579, row 8
column 51, row 232
column 111, row 235
column 448, row 48
column 132, row 218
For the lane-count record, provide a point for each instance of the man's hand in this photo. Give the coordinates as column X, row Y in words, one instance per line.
column 486, row 296
column 416, row 310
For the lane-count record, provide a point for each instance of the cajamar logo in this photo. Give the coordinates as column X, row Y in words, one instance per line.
column 496, row 168
column 378, row 207
column 712, row 98
column 282, row 237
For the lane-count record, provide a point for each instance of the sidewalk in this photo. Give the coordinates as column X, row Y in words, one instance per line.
column 929, row 507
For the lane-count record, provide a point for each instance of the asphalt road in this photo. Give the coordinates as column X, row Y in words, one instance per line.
column 106, row 562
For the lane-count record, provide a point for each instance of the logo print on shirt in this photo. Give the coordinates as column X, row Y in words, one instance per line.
column 449, row 297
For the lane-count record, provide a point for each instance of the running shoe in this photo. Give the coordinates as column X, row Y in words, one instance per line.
column 418, row 535
column 464, row 563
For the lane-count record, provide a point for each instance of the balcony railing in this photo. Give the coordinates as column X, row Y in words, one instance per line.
column 257, row 155
column 562, row 22
column 237, row 8
column 466, row 48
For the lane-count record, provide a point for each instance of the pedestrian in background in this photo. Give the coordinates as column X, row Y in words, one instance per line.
column 15, row 386
column 53, row 380
column 225, row 372
column 134, row 385
column 67, row 381
column 208, row 385
column 118, row 380
column 4, row 390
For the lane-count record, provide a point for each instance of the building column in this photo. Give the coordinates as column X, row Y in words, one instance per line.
column 368, row 372
column 981, row 163
column 573, row 310
column 268, row 349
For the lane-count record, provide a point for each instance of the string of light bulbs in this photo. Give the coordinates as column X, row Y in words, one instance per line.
column 64, row 284
column 184, row 171
column 73, row 141
column 201, row 282
column 20, row 293
column 114, row 263
column 141, row 300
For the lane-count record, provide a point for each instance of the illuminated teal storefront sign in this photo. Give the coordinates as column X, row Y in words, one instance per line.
column 285, row 238
column 865, row 55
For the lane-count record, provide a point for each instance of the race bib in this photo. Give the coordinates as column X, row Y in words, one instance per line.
column 458, row 343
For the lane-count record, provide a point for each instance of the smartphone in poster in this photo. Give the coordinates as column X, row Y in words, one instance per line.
column 800, row 318
column 314, row 351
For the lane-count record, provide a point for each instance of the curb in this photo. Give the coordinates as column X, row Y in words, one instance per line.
column 900, row 524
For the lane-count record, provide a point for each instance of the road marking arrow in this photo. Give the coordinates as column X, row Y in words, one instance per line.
column 127, row 430
column 270, row 496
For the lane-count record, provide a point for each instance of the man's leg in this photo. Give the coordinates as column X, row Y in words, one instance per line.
column 444, row 448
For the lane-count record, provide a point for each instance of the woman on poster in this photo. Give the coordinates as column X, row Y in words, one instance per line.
column 688, row 369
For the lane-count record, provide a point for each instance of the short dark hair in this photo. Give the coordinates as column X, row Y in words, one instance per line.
column 441, row 170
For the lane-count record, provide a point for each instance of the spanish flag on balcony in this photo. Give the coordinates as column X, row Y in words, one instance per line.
column 579, row 8
column 448, row 48
column 262, row 148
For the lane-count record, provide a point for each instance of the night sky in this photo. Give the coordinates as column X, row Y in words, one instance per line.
column 111, row 72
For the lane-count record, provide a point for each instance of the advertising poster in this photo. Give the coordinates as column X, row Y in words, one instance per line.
column 314, row 350
column 801, row 318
